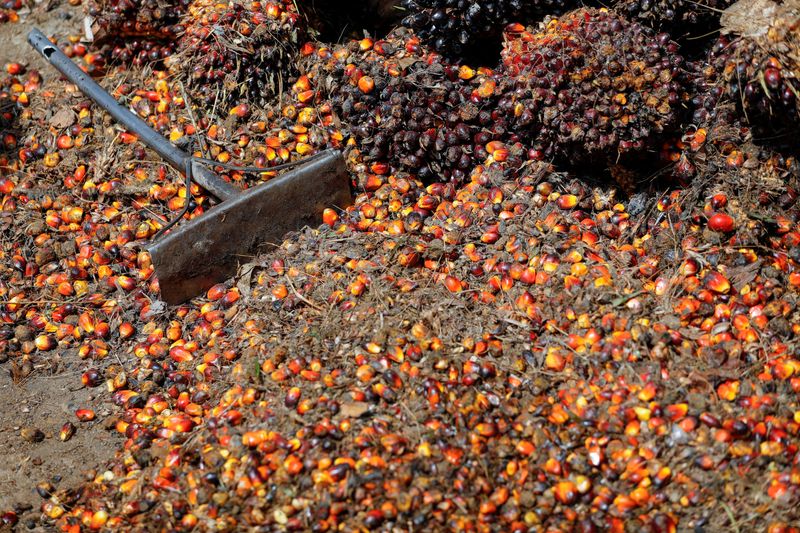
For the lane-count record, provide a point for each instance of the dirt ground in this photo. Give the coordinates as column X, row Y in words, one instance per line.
column 44, row 402
column 48, row 397
column 61, row 19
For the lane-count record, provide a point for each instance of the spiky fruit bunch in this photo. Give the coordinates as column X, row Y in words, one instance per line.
column 405, row 107
column 678, row 16
column 136, row 31
column 757, row 65
column 335, row 20
column 589, row 83
column 462, row 27
column 588, row 86
column 152, row 19
column 137, row 51
column 236, row 49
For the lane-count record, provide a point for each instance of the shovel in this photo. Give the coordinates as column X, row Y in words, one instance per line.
column 208, row 249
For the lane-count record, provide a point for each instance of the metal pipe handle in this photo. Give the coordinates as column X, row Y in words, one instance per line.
column 173, row 155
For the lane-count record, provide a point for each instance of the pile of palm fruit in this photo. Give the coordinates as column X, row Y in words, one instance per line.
column 566, row 297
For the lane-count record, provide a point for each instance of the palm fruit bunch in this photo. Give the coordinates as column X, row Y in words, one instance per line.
column 334, row 20
column 704, row 92
column 405, row 107
column 136, row 30
column 235, row 49
column 678, row 16
column 590, row 83
column 756, row 63
column 587, row 86
column 458, row 28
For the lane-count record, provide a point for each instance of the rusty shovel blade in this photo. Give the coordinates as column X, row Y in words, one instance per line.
column 210, row 248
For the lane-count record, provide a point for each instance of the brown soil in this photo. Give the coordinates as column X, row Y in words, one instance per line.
column 45, row 401
column 47, row 397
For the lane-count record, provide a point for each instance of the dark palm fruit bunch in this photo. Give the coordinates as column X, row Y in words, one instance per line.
column 589, row 84
column 237, row 49
column 705, row 93
column 411, row 121
column 458, row 28
column 757, row 64
column 335, row 20
column 681, row 17
column 136, row 30
column 406, row 108
column 138, row 51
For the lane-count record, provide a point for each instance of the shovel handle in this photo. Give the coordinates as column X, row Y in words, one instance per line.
column 173, row 155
